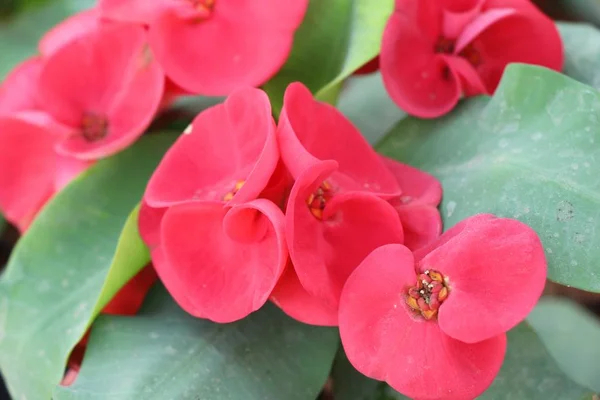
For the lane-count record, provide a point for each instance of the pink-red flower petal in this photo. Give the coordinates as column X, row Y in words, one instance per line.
column 240, row 43
column 385, row 341
column 226, row 262
column 71, row 28
column 295, row 301
column 496, row 272
column 18, row 91
column 228, row 143
column 307, row 125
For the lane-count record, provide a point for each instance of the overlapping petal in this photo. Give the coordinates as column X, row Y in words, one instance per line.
column 18, row 91
column 385, row 341
column 229, row 143
column 71, row 28
column 225, row 261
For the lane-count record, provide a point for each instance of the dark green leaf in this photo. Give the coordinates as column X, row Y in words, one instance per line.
column 74, row 257
column 366, row 103
column 20, row 35
column 335, row 39
column 164, row 353
column 571, row 335
column 531, row 153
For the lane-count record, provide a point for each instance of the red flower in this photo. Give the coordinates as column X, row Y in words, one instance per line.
column 19, row 89
column 434, row 51
column 417, row 206
column 215, row 46
column 336, row 213
column 433, row 324
column 107, row 97
column 217, row 248
column 75, row 26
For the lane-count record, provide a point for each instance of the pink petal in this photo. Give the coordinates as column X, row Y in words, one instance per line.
column 528, row 37
column 325, row 252
column 385, row 341
column 295, row 301
column 18, row 91
column 418, row 187
column 457, row 14
column 242, row 43
column 137, row 11
column 496, row 271
column 149, row 220
column 27, row 169
column 470, row 81
column 227, row 262
column 480, row 24
column 228, row 143
column 419, row 81
column 421, row 223
column 307, row 125
column 71, row 28
column 67, row 169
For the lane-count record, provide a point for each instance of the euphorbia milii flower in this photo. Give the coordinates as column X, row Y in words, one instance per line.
column 77, row 25
column 432, row 324
column 435, row 51
column 212, row 47
column 18, row 91
column 218, row 249
column 417, row 206
column 105, row 86
column 336, row 213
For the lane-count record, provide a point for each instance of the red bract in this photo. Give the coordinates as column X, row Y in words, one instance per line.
column 215, row 46
column 335, row 213
column 107, row 97
column 217, row 248
column 434, row 51
column 433, row 324
column 19, row 89
column 77, row 25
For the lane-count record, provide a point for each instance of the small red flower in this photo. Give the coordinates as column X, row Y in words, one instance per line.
column 336, row 213
column 434, row 51
column 433, row 324
column 217, row 247
column 105, row 86
column 215, row 46
column 417, row 206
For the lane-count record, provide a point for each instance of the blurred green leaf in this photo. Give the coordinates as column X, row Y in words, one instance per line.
column 572, row 336
column 164, row 353
column 335, row 39
column 2, row 223
column 582, row 52
column 21, row 33
column 528, row 372
column 531, row 153
column 366, row 103
column 74, row 257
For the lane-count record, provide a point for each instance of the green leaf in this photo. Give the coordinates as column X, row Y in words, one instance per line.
column 531, row 153
column 164, row 353
column 366, row 103
column 582, row 51
column 74, row 257
column 335, row 39
column 20, row 35
column 528, row 372
column 571, row 335
column 2, row 223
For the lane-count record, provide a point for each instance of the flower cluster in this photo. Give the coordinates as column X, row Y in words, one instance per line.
column 103, row 74
column 435, row 51
column 306, row 214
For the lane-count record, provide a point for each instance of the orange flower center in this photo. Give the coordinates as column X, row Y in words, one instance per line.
column 203, row 6
column 318, row 199
column 94, row 127
column 429, row 293
column 229, row 195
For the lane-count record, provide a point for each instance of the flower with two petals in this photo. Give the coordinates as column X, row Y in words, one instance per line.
column 432, row 323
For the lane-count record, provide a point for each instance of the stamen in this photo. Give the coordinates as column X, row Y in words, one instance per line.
column 429, row 293
column 94, row 127
column 318, row 200
column 229, row 195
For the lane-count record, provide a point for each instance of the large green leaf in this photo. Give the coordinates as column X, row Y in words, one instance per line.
column 582, row 51
column 366, row 103
column 335, row 39
column 20, row 34
column 571, row 334
column 528, row 372
column 164, row 353
column 532, row 152
column 74, row 257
